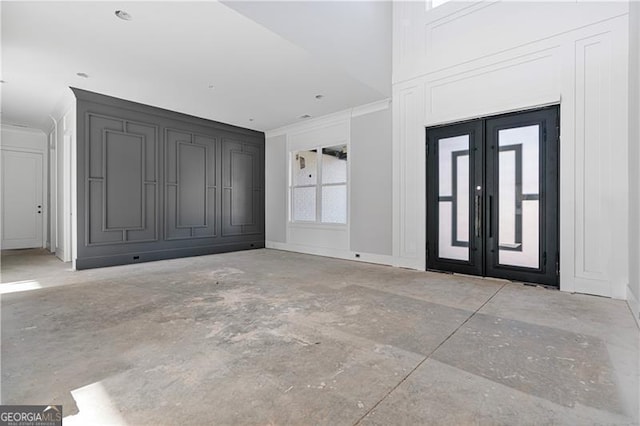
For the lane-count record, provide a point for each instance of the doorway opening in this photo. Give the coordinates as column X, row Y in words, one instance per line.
column 492, row 197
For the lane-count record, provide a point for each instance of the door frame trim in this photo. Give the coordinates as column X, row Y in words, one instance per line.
column 433, row 263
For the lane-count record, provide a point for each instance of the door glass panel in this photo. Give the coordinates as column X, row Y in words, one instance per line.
column 519, row 197
column 453, row 198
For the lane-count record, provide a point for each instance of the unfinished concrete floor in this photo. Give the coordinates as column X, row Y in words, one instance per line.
column 269, row 337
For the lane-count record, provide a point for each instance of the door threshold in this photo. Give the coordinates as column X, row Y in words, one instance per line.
column 506, row 280
column 545, row 286
column 503, row 280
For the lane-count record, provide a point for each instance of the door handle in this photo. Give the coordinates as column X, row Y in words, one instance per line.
column 478, row 208
column 490, row 216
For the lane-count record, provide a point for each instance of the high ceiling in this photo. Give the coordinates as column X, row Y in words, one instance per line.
column 266, row 61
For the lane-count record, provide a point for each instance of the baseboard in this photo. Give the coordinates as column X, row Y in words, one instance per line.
column 150, row 256
column 357, row 256
column 634, row 305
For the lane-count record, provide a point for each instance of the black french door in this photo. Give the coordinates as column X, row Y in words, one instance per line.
column 492, row 197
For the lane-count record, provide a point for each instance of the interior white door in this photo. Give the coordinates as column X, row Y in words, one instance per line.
column 21, row 199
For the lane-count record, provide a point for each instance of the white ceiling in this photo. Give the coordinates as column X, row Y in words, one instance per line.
column 268, row 68
column 356, row 35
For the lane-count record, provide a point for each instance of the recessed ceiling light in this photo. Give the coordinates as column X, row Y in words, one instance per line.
column 304, row 116
column 82, row 74
column 318, row 97
column 123, row 15
column 251, row 119
column 211, row 86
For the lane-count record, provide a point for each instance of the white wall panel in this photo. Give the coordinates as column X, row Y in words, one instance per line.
column 426, row 41
column 491, row 20
column 371, row 183
column 411, row 171
column 320, row 236
column 276, row 189
column 530, row 79
column 468, row 60
column 593, row 81
column 331, row 134
column 65, row 184
column 634, row 159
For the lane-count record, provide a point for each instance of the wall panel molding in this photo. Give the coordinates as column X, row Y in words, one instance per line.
column 504, row 61
column 410, row 173
column 592, row 130
column 120, row 168
column 527, row 80
column 434, row 41
column 440, row 32
column 191, row 176
column 119, row 148
column 242, row 188
column 149, row 184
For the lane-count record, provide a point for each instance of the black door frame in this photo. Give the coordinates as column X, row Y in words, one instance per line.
column 483, row 244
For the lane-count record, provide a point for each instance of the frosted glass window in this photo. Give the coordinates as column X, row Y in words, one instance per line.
column 519, row 196
column 334, row 164
column 304, row 204
column 453, row 197
column 334, row 204
column 462, row 199
column 304, row 169
column 324, row 199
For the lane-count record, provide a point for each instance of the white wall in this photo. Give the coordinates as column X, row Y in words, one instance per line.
column 25, row 139
column 275, row 189
column 371, row 184
column 466, row 60
column 634, row 159
column 62, row 142
column 366, row 131
column 22, row 138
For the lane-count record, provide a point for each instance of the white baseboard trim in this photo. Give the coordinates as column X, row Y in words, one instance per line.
column 634, row 305
column 410, row 263
column 380, row 259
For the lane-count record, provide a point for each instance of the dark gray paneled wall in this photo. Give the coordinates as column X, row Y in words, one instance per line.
column 371, row 195
column 155, row 184
column 121, row 181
